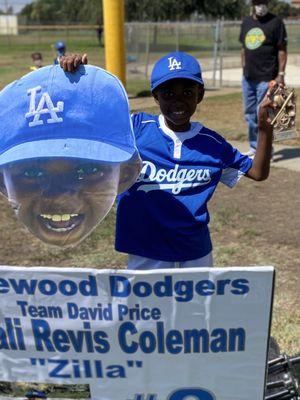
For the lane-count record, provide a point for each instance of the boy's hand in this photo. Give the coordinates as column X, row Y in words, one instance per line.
column 268, row 107
column 71, row 62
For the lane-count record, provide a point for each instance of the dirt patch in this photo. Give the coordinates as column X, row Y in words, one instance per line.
column 269, row 209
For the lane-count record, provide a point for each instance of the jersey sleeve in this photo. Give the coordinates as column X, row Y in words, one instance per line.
column 235, row 165
column 281, row 34
column 136, row 123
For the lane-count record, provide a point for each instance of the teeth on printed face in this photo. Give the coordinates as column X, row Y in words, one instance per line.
column 58, row 217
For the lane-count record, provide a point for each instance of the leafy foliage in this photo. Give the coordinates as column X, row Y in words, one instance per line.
column 90, row 11
column 67, row 11
column 280, row 8
column 227, row 8
column 158, row 10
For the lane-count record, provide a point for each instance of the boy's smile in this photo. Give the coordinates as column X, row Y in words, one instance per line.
column 178, row 100
column 59, row 200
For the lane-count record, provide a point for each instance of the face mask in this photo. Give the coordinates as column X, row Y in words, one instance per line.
column 261, row 10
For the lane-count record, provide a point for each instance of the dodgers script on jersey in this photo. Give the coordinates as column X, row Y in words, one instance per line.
column 164, row 215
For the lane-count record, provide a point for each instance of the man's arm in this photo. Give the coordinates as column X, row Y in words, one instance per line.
column 241, row 40
column 281, row 45
column 243, row 57
column 282, row 59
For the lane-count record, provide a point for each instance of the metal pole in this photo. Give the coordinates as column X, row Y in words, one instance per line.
column 221, row 50
column 215, row 55
column 147, row 49
column 113, row 15
column 7, row 23
column 177, row 36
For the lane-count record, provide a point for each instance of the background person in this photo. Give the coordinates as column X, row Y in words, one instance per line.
column 264, row 55
column 60, row 48
column 37, row 59
column 99, row 32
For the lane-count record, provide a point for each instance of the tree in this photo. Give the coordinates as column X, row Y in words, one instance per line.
column 90, row 11
column 43, row 11
column 67, row 11
column 26, row 11
column 221, row 8
column 280, row 8
column 158, row 10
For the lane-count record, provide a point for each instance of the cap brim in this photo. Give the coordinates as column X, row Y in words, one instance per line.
column 179, row 76
column 67, row 148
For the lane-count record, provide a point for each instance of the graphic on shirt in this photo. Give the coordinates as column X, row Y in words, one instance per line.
column 175, row 179
column 254, row 38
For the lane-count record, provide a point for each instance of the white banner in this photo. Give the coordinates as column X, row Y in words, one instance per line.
column 192, row 334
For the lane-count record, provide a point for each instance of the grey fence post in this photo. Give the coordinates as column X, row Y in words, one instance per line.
column 215, row 54
column 7, row 23
column 177, row 35
column 147, row 50
column 221, row 50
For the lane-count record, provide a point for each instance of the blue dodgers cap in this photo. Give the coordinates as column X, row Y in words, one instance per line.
column 176, row 65
column 60, row 45
column 50, row 113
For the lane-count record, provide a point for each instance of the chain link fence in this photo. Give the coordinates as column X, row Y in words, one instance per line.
column 215, row 43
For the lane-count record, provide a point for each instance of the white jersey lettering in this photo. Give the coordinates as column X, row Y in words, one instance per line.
column 41, row 109
column 175, row 179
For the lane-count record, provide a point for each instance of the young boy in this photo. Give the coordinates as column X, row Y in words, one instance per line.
column 162, row 220
column 37, row 60
column 61, row 49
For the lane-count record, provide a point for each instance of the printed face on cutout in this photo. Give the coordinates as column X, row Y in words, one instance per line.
column 178, row 99
column 60, row 200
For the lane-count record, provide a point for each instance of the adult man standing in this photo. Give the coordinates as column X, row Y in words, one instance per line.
column 264, row 55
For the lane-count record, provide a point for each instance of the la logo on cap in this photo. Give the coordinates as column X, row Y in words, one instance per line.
column 45, row 106
column 174, row 64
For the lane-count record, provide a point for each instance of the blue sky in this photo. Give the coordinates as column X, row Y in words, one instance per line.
column 17, row 4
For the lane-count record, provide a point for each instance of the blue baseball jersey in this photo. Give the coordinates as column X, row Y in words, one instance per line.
column 164, row 215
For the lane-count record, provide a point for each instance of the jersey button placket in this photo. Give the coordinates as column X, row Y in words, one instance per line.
column 177, row 148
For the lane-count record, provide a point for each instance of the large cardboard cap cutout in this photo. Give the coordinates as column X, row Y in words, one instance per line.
column 66, row 150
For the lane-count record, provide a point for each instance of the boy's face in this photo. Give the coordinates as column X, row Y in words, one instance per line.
column 178, row 99
column 59, row 200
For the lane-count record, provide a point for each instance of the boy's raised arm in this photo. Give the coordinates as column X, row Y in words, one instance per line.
column 261, row 163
